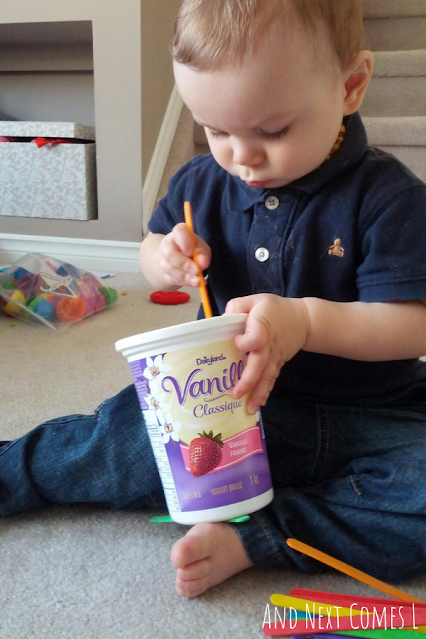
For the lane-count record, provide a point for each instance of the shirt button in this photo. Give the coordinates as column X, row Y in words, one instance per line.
column 261, row 254
column 272, row 202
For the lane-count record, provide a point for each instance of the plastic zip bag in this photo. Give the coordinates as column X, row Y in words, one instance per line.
column 45, row 291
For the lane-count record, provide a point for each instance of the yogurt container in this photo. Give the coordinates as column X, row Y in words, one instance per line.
column 210, row 452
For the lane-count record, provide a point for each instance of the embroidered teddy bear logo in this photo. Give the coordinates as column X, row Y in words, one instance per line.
column 336, row 248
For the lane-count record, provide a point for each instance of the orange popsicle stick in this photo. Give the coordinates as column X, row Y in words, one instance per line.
column 201, row 283
column 352, row 572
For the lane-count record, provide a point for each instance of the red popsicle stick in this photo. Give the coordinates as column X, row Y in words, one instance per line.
column 336, row 599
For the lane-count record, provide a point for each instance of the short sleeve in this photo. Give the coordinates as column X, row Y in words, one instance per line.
column 393, row 261
column 169, row 211
column 184, row 185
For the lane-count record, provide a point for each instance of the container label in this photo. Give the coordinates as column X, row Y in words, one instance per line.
column 215, row 449
column 234, row 450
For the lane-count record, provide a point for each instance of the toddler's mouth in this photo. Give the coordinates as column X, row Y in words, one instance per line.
column 259, row 185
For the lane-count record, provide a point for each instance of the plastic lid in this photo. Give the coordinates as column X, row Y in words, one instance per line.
column 179, row 330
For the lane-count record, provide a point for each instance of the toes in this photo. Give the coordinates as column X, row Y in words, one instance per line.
column 206, row 556
column 184, row 552
column 191, row 588
column 196, row 570
column 191, row 548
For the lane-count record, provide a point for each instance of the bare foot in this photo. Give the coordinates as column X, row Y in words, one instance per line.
column 206, row 556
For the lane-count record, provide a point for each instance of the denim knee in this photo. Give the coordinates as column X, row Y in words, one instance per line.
column 365, row 503
column 104, row 458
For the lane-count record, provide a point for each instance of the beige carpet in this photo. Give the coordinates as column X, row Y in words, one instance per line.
column 85, row 573
column 53, row 373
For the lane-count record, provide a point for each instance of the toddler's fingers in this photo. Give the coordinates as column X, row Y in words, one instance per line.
column 178, row 276
column 171, row 258
column 170, row 251
column 255, row 336
column 240, row 305
column 256, row 363
column 250, row 340
column 182, row 239
column 204, row 253
column 178, row 269
column 261, row 391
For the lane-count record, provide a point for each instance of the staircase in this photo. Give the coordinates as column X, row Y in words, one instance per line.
column 394, row 109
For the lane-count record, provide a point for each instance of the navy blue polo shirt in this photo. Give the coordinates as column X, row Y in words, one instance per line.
column 352, row 230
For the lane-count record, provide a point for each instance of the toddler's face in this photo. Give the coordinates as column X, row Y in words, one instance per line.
column 273, row 119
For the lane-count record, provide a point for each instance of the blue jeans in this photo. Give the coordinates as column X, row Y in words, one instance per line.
column 349, row 481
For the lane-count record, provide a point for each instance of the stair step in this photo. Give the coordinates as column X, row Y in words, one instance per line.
column 397, row 131
column 393, row 8
column 394, row 34
column 403, row 137
column 398, row 86
column 391, row 64
column 392, row 25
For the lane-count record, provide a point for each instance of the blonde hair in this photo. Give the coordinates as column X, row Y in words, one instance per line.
column 212, row 33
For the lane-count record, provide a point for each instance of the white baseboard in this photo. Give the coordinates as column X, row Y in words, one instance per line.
column 100, row 255
column 160, row 155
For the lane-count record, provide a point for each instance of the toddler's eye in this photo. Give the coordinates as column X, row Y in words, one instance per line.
column 277, row 135
column 216, row 134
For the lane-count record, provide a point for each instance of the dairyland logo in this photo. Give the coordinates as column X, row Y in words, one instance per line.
column 209, row 360
column 292, row 616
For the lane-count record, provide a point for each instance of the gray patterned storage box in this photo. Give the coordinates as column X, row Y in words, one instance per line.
column 53, row 181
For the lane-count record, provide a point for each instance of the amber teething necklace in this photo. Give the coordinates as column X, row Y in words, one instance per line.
column 338, row 142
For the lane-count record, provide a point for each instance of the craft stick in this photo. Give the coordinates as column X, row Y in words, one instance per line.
column 201, row 283
column 322, row 625
column 315, row 608
column 165, row 519
column 398, row 633
column 352, row 572
column 368, row 634
column 337, row 598
column 384, row 633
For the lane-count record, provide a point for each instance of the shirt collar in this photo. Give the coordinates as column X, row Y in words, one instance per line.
column 242, row 197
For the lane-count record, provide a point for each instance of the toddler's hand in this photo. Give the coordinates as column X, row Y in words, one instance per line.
column 276, row 329
column 174, row 257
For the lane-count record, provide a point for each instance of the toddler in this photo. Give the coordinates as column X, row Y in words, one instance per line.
column 321, row 240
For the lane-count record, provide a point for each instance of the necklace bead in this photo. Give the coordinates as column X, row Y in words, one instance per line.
column 338, row 142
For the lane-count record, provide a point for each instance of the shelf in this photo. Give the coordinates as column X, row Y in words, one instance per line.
column 46, row 47
column 52, row 58
column 85, row 61
column 56, row 33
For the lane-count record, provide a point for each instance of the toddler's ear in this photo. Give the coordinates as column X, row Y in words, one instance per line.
column 357, row 79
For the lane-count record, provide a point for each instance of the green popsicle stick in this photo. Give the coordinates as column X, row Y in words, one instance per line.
column 166, row 518
column 369, row 633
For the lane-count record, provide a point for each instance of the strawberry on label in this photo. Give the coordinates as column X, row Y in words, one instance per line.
column 205, row 453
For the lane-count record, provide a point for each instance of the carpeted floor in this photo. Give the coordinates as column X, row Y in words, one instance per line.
column 87, row 573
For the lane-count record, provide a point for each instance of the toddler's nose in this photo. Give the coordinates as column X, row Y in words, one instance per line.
column 246, row 154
